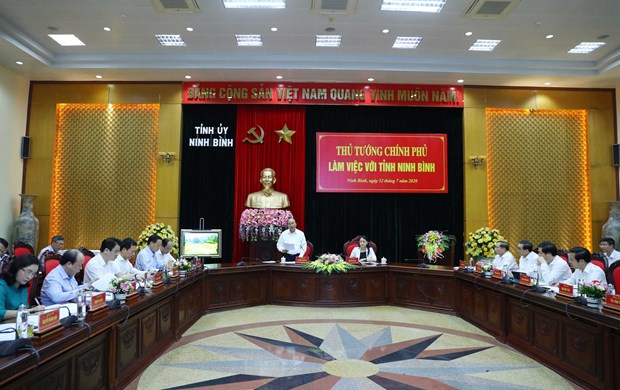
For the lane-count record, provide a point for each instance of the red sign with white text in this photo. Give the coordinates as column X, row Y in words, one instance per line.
column 378, row 162
column 323, row 93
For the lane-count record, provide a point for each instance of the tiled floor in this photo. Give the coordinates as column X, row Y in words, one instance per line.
column 384, row 347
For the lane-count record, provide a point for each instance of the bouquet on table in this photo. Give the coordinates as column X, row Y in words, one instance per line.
column 481, row 243
column 594, row 289
column 183, row 264
column 328, row 263
column 163, row 231
column 263, row 224
column 120, row 286
column 433, row 244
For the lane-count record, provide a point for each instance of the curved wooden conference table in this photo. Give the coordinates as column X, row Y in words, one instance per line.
column 581, row 343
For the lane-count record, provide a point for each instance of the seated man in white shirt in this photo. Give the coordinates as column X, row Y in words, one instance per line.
column 122, row 263
column 584, row 270
column 292, row 242
column 146, row 260
column 103, row 262
column 529, row 259
column 163, row 256
column 54, row 248
column 607, row 245
column 551, row 267
column 503, row 258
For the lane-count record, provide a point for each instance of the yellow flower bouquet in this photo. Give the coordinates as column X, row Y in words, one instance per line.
column 481, row 243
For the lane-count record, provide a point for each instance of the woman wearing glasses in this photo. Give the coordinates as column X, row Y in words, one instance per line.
column 14, row 285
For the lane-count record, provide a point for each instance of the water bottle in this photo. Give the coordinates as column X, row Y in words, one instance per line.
column 505, row 271
column 611, row 289
column 22, row 321
column 81, row 306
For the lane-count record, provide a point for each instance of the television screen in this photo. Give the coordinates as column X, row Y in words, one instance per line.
column 201, row 243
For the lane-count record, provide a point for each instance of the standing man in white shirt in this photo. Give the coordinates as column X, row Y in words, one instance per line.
column 103, row 262
column 584, row 270
column 146, row 260
column 503, row 257
column 529, row 259
column 607, row 245
column 163, row 256
column 292, row 242
column 552, row 267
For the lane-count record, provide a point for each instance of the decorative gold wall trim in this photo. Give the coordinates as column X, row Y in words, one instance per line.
column 104, row 171
column 538, row 175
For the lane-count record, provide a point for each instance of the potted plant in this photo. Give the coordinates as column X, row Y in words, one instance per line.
column 487, row 270
column 481, row 243
column 594, row 291
column 184, row 266
column 263, row 224
column 328, row 263
column 120, row 288
column 433, row 244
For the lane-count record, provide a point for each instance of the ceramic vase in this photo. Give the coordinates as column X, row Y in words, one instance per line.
column 611, row 228
column 120, row 297
column 593, row 302
column 26, row 226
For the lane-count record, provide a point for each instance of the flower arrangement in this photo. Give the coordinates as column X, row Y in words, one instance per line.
column 120, row 286
column 163, row 231
column 263, row 224
column 481, row 243
column 183, row 264
column 487, row 267
column 328, row 263
column 433, row 244
column 594, row 289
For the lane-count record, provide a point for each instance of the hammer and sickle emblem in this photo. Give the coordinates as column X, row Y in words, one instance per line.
column 257, row 138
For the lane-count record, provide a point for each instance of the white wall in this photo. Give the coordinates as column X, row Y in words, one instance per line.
column 13, row 112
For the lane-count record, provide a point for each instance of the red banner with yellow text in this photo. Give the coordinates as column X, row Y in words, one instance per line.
column 377, row 162
column 323, row 93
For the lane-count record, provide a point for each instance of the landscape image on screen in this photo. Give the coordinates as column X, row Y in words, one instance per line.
column 200, row 244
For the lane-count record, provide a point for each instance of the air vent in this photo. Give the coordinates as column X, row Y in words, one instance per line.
column 332, row 7
column 491, row 9
column 176, row 6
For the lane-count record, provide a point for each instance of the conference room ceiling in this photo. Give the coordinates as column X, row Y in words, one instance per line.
column 130, row 51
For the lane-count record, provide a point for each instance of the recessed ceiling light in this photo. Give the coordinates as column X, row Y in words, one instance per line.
column 255, row 4
column 371, row 79
column 66, row 39
column 107, row 29
column 468, row 33
column 460, row 81
column 188, row 77
column 190, row 29
column 484, row 45
column 413, row 5
column 19, row 63
column 585, row 47
column 274, row 29
column 549, row 36
column 547, row 83
column 406, row 42
column 328, row 40
column 170, row 40
column 385, row 31
column 279, row 77
column 249, row 40
column 99, row 76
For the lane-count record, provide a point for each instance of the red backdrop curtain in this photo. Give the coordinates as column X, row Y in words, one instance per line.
column 288, row 160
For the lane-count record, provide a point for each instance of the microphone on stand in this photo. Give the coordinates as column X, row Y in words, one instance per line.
column 9, row 347
column 242, row 263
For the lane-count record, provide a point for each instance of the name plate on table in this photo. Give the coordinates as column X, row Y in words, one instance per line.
column 158, row 279
column 566, row 290
column 525, row 280
column 353, row 260
column 497, row 274
column 174, row 273
column 612, row 302
column 300, row 260
column 97, row 301
column 462, row 264
column 478, row 269
column 49, row 320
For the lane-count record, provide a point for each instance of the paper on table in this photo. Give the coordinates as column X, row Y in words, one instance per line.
column 289, row 247
column 9, row 335
column 104, row 282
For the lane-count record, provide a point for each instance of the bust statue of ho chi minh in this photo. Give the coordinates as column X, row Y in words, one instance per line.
column 267, row 198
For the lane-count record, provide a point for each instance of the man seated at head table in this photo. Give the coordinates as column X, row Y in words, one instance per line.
column 611, row 255
column 292, row 242
column 551, row 267
column 529, row 258
column 55, row 247
column 503, row 257
column 163, row 256
column 59, row 285
column 103, row 262
column 14, row 285
column 122, row 263
column 146, row 260
column 584, row 270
